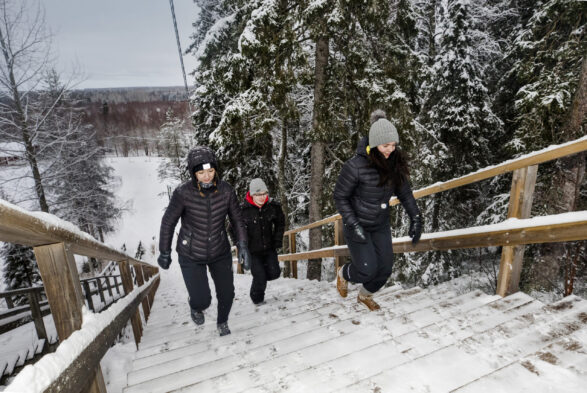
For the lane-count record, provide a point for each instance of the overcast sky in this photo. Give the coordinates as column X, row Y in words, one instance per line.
column 119, row 43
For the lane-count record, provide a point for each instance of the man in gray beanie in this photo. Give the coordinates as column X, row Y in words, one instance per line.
column 265, row 223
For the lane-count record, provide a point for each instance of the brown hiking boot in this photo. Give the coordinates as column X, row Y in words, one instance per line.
column 368, row 301
column 341, row 284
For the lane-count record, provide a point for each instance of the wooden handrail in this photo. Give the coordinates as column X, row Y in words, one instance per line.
column 38, row 229
column 555, row 228
column 54, row 243
column 534, row 158
column 75, row 378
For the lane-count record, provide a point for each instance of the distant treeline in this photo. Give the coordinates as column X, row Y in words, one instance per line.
column 127, row 119
column 130, row 94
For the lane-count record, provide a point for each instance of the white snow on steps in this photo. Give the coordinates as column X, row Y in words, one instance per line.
column 306, row 338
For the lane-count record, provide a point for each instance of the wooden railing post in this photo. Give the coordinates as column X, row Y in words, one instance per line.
column 116, row 286
column 100, row 290
column 64, row 293
column 127, row 285
column 338, row 241
column 293, row 265
column 37, row 315
column 141, row 281
column 109, row 287
column 88, row 293
column 510, row 268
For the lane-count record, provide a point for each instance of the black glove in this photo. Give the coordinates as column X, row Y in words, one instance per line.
column 164, row 259
column 244, row 255
column 415, row 228
column 358, row 233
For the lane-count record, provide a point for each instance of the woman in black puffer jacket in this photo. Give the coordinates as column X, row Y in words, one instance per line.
column 203, row 204
column 364, row 187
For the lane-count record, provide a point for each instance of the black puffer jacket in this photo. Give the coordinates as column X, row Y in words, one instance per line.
column 203, row 233
column 264, row 225
column 359, row 199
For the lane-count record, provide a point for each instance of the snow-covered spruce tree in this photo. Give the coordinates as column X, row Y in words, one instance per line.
column 140, row 251
column 79, row 180
column 248, row 94
column 372, row 65
column 209, row 13
column 20, row 269
column 462, row 129
column 219, row 75
column 550, row 70
column 174, row 144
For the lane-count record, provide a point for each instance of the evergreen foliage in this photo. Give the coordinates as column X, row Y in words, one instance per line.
column 174, row 145
column 140, row 251
column 79, row 181
column 20, row 269
column 468, row 83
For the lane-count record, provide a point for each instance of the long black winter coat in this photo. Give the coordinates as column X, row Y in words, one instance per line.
column 359, row 199
column 265, row 225
column 202, row 236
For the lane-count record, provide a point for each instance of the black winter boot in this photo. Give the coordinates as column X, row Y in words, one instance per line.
column 197, row 317
column 223, row 329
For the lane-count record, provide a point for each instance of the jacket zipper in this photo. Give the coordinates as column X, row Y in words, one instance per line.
column 209, row 227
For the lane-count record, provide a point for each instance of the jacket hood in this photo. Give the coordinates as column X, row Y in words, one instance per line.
column 249, row 199
column 362, row 146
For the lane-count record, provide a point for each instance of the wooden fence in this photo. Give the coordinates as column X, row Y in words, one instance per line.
column 55, row 242
column 558, row 228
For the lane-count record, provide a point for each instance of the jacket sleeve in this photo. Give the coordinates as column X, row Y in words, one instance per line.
column 236, row 219
column 406, row 197
column 279, row 227
column 169, row 221
column 346, row 183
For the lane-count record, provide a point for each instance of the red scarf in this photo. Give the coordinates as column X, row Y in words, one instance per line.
column 249, row 199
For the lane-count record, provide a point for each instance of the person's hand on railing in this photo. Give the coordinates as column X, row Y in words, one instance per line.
column 415, row 229
column 244, row 255
column 164, row 259
column 358, row 233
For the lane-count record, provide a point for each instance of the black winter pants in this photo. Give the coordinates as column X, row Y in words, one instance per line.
column 371, row 262
column 264, row 267
column 196, row 281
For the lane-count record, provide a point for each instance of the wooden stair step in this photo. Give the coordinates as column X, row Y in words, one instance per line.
column 194, row 356
column 191, row 334
column 251, row 338
column 480, row 354
column 176, row 380
column 165, row 314
column 304, row 357
column 335, row 375
column 559, row 367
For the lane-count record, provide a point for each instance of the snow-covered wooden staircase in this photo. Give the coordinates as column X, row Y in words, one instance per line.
column 308, row 339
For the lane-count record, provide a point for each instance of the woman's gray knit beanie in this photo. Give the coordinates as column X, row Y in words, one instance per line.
column 381, row 131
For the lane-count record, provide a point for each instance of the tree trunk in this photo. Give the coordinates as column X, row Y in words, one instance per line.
column 23, row 125
column 281, row 173
column 317, row 156
column 567, row 185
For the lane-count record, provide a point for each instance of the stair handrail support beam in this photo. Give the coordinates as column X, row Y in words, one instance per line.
column 520, row 206
column 127, row 285
column 141, row 282
column 64, row 294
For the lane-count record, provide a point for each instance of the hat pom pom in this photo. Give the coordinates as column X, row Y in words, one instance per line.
column 376, row 115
